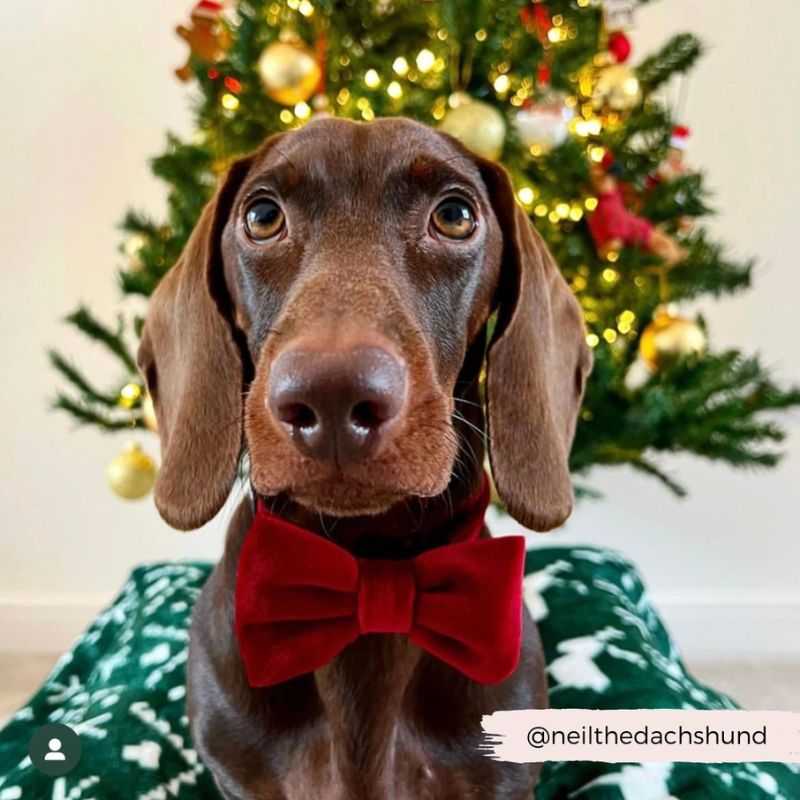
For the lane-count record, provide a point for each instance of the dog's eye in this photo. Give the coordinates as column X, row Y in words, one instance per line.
column 264, row 219
column 454, row 218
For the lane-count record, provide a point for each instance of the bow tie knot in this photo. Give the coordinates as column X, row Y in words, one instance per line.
column 386, row 596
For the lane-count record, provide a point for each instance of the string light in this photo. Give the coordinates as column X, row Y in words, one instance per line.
column 540, row 210
column 372, row 79
column 481, row 35
column 306, row 8
column 425, row 60
column 302, row 110
column 502, row 84
column 592, row 340
column 562, row 209
column 287, row 118
column 230, row 102
column 394, row 90
column 610, row 275
column 590, row 203
column 526, row 195
column 343, row 96
column 129, row 395
column 400, row 66
column 610, row 335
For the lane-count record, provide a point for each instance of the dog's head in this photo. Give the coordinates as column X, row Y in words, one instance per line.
column 330, row 306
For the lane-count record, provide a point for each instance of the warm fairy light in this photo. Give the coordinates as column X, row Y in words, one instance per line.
column 562, row 209
column 540, row 210
column 596, row 153
column 372, row 79
column 610, row 275
column 306, row 8
column 130, row 394
column 612, row 256
column 610, row 335
column 287, row 118
column 400, row 66
column 578, row 283
column 502, row 84
column 481, row 35
column 367, row 114
column 425, row 60
column 575, row 213
column 293, row 4
column 583, row 3
column 553, row 217
column 439, row 65
column 394, row 90
column 441, row 35
column 343, row 96
column 526, row 195
column 362, row 103
column 556, row 35
column 625, row 321
column 558, row 20
column 344, row 60
column 590, row 203
column 592, row 340
column 230, row 102
column 536, row 150
column 302, row 110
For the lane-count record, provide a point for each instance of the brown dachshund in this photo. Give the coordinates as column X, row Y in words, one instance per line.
column 328, row 321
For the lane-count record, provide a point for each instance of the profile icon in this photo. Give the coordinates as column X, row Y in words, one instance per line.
column 54, row 750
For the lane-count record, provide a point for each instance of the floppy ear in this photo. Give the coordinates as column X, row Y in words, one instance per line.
column 538, row 362
column 193, row 368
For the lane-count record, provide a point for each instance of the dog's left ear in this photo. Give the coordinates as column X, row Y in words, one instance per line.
column 538, row 362
column 193, row 368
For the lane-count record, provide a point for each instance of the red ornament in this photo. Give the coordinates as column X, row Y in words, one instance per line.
column 233, row 85
column 619, row 45
column 543, row 74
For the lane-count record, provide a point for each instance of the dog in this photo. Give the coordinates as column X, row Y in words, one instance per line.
column 329, row 320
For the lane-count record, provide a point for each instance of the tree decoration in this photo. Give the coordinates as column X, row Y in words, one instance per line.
column 617, row 89
column 670, row 337
column 477, row 125
column 208, row 37
column 619, row 45
column 473, row 67
column 613, row 226
column 544, row 124
column 132, row 473
column 289, row 70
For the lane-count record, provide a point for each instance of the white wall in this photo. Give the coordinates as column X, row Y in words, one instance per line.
column 88, row 98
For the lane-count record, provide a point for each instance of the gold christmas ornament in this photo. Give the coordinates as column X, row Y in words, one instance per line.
column 289, row 71
column 132, row 473
column 149, row 414
column 669, row 338
column 477, row 125
column 617, row 89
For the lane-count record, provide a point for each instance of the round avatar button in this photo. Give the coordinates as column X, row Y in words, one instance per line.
column 55, row 749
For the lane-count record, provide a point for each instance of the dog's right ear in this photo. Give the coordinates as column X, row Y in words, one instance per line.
column 194, row 373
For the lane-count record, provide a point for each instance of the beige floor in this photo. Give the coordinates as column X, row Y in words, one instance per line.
column 770, row 686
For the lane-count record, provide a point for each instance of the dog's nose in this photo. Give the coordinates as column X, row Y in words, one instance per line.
column 338, row 406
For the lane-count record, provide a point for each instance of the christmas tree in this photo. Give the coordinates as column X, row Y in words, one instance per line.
column 596, row 155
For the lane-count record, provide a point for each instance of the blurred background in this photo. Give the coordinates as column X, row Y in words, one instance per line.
column 89, row 96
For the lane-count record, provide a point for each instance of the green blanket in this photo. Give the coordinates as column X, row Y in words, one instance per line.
column 121, row 687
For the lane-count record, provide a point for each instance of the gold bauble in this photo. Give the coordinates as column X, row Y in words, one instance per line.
column 669, row 338
column 617, row 89
column 477, row 125
column 132, row 473
column 149, row 414
column 289, row 71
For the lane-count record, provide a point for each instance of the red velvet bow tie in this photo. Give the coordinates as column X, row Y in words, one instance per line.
column 301, row 599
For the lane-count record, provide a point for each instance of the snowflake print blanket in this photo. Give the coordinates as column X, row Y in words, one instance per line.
column 121, row 688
